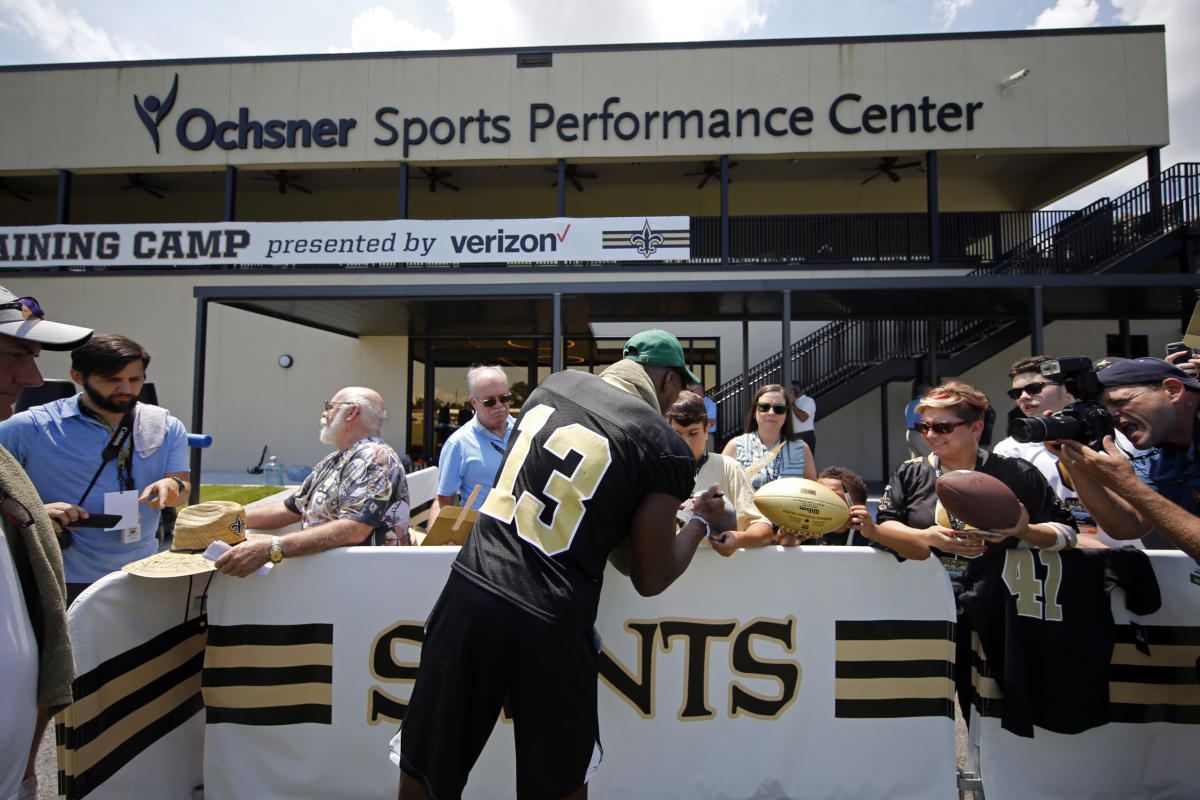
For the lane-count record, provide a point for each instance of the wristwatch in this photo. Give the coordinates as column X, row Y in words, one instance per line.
column 276, row 550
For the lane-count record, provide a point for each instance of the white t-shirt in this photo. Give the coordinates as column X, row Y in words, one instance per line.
column 808, row 406
column 19, row 668
column 1047, row 464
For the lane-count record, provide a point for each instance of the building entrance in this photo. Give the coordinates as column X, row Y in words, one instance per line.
column 440, row 400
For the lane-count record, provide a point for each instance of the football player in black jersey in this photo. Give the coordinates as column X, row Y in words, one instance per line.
column 591, row 467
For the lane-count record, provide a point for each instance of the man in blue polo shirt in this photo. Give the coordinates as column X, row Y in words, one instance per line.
column 472, row 454
column 62, row 447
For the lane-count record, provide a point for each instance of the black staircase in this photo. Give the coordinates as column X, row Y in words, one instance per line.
column 845, row 359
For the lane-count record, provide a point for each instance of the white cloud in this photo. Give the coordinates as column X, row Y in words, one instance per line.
column 1182, row 21
column 946, row 11
column 518, row 23
column 1069, row 14
column 67, row 36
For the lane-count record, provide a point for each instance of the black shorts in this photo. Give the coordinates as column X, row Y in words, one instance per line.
column 482, row 653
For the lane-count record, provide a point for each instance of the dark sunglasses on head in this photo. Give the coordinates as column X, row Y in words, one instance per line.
column 503, row 399
column 778, row 409
column 1030, row 388
column 29, row 308
column 937, row 427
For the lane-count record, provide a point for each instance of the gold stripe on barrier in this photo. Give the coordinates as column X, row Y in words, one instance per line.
column 255, row 655
column 889, row 688
column 1153, row 693
column 119, row 732
column 291, row 694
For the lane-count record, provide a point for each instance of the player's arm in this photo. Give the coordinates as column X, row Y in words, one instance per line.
column 657, row 555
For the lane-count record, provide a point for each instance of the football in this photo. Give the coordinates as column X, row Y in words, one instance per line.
column 981, row 501
column 802, row 506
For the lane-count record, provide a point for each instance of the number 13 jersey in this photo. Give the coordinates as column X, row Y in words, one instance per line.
column 582, row 457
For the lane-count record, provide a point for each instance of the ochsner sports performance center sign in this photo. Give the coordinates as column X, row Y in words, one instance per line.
column 365, row 243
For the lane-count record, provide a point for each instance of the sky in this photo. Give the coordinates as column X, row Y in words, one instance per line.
column 55, row 31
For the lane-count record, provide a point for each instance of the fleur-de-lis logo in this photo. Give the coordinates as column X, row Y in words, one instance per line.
column 647, row 240
column 238, row 525
column 160, row 109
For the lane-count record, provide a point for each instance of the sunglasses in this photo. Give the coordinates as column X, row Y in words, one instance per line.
column 1031, row 389
column 937, row 427
column 15, row 511
column 28, row 306
column 778, row 409
column 503, row 399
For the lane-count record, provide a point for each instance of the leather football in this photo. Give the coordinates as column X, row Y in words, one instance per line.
column 978, row 499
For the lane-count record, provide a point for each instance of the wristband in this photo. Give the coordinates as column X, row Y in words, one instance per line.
column 708, row 529
column 182, row 485
column 1065, row 536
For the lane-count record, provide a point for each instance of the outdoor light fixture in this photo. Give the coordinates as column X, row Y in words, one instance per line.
column 286, row 361
column 1011, row 80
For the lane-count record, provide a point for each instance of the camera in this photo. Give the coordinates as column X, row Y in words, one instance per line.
column 1083, row 421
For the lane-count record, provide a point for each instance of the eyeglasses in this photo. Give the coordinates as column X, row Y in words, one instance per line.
column 937, row 427
column 15, row 511
column 331, row 405
column 29, row 308
column 1031, row 389
column 778, row 409
column 502, row 399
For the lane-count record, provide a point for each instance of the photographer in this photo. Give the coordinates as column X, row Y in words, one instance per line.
column 1154, row 403
column 1037, row 396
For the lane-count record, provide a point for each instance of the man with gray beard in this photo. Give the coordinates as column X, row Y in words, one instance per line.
column 355, row 495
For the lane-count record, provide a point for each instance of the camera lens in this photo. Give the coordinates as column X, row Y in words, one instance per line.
column 1040, row 429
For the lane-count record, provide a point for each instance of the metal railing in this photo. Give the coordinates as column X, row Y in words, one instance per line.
column 1069, row 243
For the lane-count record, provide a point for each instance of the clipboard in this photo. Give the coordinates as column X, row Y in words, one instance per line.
column 452, row 524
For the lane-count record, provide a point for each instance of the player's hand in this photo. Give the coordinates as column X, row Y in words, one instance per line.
column 242, row 559
column 951, row 541
column 65, row 515
column 725, row 542
column 708, row 505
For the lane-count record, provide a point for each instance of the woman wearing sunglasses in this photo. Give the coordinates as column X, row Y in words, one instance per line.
column 770, row 448
column 952, row 422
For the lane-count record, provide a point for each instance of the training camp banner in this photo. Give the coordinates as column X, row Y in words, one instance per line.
column 351, row 243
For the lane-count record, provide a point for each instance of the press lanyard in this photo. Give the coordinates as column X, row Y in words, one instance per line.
column 120, row 443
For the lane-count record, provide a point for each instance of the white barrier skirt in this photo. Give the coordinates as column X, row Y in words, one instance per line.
column 768, row 674
column 349, row 243
column 803, row 672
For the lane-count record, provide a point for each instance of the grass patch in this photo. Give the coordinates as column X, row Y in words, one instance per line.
column 237, row 494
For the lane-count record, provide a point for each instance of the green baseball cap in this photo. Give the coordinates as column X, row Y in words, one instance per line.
column 657, row 348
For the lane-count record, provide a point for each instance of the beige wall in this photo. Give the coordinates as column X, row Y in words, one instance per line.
column 1101, row 90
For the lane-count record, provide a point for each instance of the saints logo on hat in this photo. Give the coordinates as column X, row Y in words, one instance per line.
column 196, row 528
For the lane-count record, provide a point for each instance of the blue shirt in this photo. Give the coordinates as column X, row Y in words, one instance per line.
column 1174, row 472
column 60, row 448
column 710, row 409
column 471, row 456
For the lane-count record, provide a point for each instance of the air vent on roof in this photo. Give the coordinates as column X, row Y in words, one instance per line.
column 535, row 60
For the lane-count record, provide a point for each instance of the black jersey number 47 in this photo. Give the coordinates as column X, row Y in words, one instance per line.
column 567, row 491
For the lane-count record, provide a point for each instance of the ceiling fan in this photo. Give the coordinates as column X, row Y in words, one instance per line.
column 436, row 176
column 573, row 175
column 8, row 188
column 284, row 180
column 710, row 169
column 888, row 166
column 136, row 180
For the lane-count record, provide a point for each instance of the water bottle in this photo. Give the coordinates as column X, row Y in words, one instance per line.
column 273, row 472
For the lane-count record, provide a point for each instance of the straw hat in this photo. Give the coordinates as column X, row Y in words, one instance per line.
column 196, row 528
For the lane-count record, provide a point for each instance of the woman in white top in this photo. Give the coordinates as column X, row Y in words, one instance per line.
column 770, row 448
